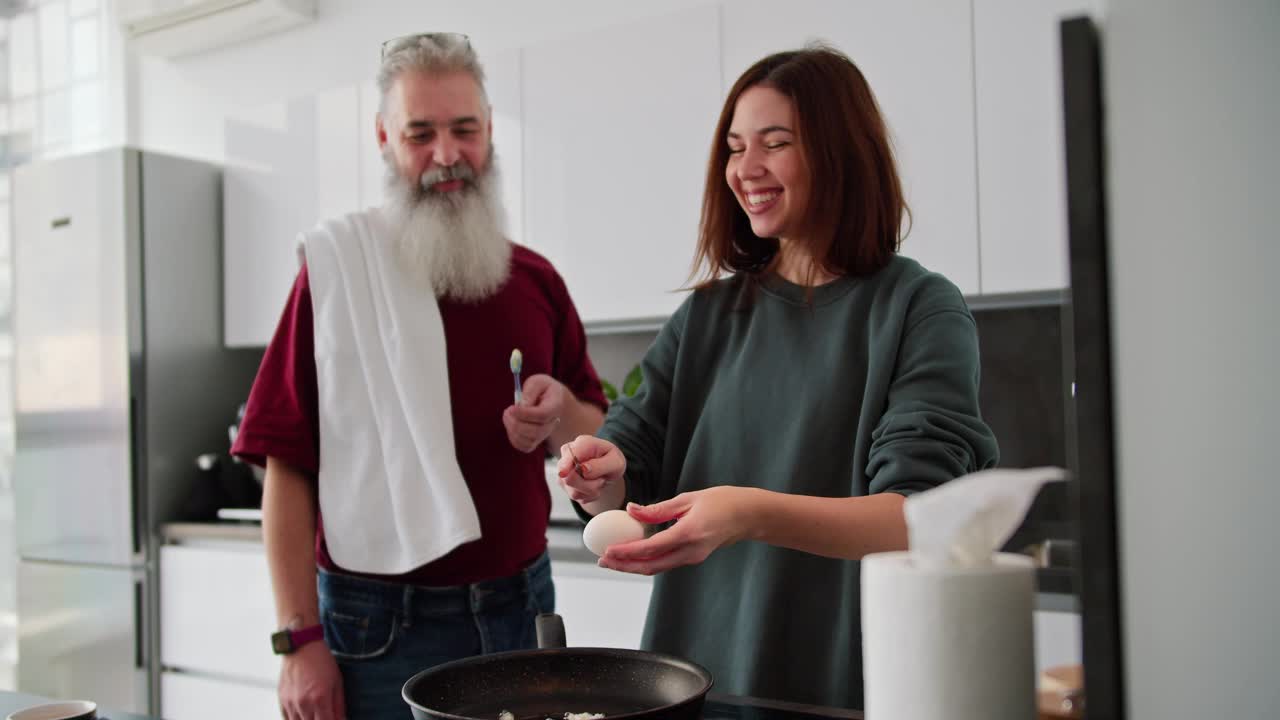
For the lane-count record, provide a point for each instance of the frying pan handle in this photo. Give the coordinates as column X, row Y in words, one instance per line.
column 550, row 628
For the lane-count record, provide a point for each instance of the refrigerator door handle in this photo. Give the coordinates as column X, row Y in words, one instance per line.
column 139, row 628
column 135, row 473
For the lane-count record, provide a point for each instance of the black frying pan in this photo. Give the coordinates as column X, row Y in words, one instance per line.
column 553, row 680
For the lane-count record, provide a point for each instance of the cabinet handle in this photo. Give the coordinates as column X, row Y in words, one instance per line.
column 60, row 222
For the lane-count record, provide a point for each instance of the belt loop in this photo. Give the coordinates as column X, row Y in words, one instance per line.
column 526, row 575
column 533, row 567
column 406, row 603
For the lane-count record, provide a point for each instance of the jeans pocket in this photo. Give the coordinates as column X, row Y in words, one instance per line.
column 359, row 633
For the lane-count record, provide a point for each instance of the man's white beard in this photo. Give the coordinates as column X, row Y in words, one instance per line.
column 454, row 242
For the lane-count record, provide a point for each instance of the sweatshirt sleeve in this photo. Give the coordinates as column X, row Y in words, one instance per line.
column 638, row 424
column 932, row 430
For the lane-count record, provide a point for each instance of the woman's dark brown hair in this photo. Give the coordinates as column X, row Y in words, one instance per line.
column 852, row 220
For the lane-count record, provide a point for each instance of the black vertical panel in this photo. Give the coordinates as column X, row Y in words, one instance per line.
column 1089, row 355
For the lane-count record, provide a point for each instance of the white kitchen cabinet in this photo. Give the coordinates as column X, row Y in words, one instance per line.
column 217, row 613
column 600, row 607
column 503, row 83
column 372, row 168
column 617, row 129
column 1021, row 170
column 191, row 697
column 288, row 165
column 917, row 57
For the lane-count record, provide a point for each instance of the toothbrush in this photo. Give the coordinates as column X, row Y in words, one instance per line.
column 517, row 361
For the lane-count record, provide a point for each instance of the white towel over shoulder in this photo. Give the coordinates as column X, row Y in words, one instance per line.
column 391, row 493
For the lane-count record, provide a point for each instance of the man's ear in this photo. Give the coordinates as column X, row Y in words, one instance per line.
column 380, row 129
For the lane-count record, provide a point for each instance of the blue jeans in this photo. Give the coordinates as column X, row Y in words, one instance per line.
column 382, row 633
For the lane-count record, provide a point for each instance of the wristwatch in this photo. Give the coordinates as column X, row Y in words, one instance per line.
column 287, row 641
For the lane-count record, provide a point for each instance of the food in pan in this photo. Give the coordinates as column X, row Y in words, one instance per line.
column 507, row 715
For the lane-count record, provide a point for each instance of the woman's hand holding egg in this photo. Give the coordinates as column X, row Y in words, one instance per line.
column 705, row 521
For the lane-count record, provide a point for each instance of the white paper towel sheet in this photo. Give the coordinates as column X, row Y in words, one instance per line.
column 948, row 643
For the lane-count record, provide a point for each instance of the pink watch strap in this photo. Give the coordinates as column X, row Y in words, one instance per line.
column 301, row 637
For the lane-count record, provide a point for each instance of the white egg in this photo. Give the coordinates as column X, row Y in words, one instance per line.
column 610, row 528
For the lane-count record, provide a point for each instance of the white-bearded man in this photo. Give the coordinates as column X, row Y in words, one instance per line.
column 405, row 507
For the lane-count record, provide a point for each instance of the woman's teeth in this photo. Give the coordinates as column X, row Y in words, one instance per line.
column 762, row 198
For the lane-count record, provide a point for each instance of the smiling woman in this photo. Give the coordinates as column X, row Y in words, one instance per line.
column 787, row 409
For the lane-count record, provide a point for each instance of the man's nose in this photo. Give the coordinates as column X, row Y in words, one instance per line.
column 446, row 152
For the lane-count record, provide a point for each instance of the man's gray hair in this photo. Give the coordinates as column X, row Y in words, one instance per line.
column 436, row 53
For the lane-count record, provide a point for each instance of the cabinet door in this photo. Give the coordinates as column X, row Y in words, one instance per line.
column 618, row 125
column 192, row 697
column 288, row 165
column 916, row 55
column 217, row 613
column 601, row 608
column 1021, row 170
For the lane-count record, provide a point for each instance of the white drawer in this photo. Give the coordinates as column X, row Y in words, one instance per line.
column 188, row 697
column 217, row 612
column 1057, row 639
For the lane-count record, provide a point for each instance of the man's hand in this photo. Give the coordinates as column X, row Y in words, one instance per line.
column 311, row 685
column 530, row 423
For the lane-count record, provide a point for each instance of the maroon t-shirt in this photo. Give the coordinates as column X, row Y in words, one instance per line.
column 532, row 312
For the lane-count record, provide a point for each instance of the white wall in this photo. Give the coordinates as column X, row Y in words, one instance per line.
column 1193, row 104
column 180, row 105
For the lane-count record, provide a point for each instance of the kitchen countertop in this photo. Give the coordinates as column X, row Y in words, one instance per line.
column 564, row 543
column 564, row 539
column 13, row 701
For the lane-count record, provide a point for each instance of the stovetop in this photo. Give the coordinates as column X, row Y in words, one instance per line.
column 734, row 708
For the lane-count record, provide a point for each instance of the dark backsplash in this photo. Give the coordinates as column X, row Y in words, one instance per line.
column 1023, row 398
column 1022, row 395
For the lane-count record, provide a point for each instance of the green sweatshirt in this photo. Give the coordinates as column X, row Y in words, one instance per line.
column 869, row 385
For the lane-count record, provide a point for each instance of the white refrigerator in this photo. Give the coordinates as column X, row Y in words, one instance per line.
column 122, row 379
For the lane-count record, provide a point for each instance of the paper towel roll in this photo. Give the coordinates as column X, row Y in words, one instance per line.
column 950, row 643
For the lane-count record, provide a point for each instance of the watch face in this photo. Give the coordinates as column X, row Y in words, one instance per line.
column 281, row 643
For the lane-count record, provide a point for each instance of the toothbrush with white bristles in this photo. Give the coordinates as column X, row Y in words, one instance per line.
column 517, row 361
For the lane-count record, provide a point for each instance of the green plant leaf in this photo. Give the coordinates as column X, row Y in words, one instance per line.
column 610, row 392
column 632, row 383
